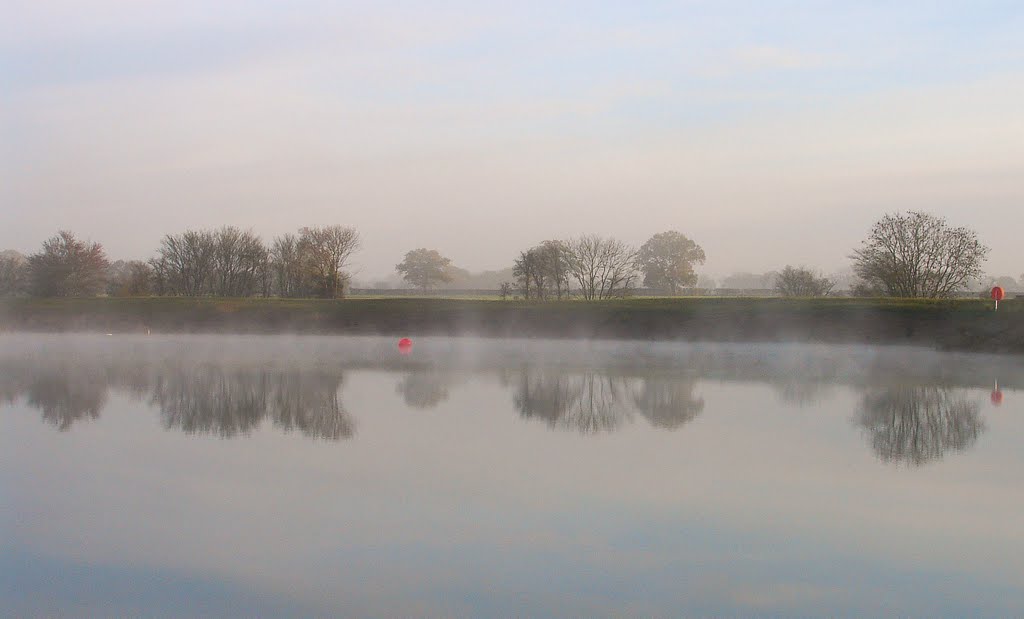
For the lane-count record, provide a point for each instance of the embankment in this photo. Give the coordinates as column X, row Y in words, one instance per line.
column 952, row 325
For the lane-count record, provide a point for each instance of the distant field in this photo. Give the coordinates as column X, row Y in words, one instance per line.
column 960, row 324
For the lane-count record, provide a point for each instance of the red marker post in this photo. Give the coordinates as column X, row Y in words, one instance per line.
column 998, row 294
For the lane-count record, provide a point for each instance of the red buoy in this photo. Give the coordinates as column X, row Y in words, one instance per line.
column 405, row 346
column 997, row 397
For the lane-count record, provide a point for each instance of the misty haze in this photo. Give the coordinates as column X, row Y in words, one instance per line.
column 421, row 309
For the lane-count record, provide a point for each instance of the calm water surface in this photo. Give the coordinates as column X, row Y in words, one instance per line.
column 277, row 476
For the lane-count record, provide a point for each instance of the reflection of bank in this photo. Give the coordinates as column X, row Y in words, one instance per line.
column 917, row 424
column 590, row 401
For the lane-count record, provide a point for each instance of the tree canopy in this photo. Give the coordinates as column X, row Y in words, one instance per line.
column 13, row 273
column 424, row 268
column 543, row 271
column 667, row 260
column 68, row 267
column 801, row 282
column 326, row 251
column 917, row 254
column 602, row 267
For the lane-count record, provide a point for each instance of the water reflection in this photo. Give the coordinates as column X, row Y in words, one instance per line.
column 912, row 405
column 590, row 402
column 64, row 392
column 196, row 398
column 914, row 425
column 66, row 396
column 713, row 480
column 802, row 393
column 668, row 403
column 425, row 388
column 227, row 403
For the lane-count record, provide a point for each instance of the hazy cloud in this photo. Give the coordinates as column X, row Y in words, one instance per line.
column 443, row 126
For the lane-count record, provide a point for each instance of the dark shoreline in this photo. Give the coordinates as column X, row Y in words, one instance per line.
column 963, row 325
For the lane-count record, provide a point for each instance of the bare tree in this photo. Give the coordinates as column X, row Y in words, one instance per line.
column 239, row 263
column 554, row 263
column 802, row 282
column 327, row 250
column 528, row 274
column 918, row 255
column 184, row 263
column 424, row 267
column 235, row 263
column 13, row 273
column 543, row 271
column 667, row 260
column 288, row 266
column 68, row 267
column 603, row 268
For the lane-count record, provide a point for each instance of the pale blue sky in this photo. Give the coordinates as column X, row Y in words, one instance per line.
column 770, row 132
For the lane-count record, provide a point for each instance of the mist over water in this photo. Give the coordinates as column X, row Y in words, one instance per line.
column 234, row 476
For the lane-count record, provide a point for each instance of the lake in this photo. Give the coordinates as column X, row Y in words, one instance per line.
column 181, row 476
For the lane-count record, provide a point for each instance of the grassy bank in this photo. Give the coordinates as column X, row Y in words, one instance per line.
column 959, row 325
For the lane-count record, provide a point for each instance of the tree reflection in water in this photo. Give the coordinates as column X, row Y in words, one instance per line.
column 587, row 402
column 802, row 393
column 668, row 403
column 66, row 396
column 200, row 398
column 64, row 392
column 209, row 400
column 917, row 424
column 424, row 388
column 229, row 402
column 308, row 402
column 591, row 402
column 231, row 393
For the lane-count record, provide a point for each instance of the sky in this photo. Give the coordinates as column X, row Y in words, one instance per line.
column 770, row 133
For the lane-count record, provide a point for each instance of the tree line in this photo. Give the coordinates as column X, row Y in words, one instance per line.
column 226, row 262
column 913, row 254
column 596, row 267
